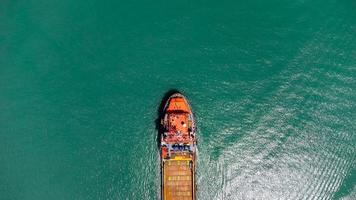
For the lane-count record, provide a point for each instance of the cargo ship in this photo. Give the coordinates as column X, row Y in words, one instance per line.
column 178, row 148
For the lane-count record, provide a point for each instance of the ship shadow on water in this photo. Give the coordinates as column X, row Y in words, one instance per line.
column 160, row 114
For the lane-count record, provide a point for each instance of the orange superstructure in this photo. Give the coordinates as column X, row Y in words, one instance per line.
column 178, row 150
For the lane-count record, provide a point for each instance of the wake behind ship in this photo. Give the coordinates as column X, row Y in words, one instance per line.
column 178, row 150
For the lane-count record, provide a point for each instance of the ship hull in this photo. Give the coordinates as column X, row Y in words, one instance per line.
column 178, row 150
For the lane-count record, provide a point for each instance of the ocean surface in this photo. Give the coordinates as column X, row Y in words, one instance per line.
column 272, row 84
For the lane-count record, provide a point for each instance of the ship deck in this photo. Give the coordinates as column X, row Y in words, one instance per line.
column 178, row 150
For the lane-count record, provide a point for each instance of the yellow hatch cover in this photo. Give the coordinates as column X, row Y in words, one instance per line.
column 178, row 179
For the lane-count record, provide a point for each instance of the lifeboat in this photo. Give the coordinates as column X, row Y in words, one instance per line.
column 178, row 150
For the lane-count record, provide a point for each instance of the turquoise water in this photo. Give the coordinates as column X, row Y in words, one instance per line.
column 272, row 84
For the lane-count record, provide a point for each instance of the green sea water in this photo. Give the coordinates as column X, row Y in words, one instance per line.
column 272, row 84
